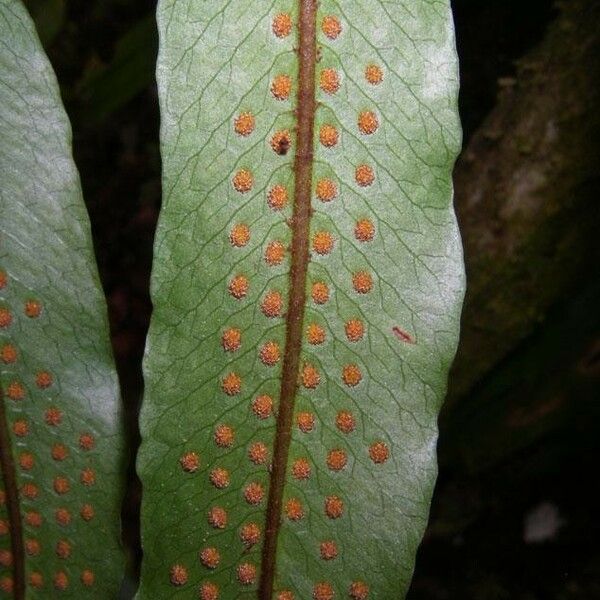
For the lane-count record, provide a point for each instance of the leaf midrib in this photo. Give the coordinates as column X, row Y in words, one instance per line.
column 300, row 225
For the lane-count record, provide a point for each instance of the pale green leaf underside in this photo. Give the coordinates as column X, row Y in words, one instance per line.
column 218, row 59
column 46, row 256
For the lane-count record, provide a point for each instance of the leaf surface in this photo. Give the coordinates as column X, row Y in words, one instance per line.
column 320, row 273
column 60, row 431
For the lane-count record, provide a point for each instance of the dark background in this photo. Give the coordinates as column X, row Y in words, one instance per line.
column 515, row 513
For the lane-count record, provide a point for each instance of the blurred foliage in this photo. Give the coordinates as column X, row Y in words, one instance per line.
column 49, row 18
column 106, row 88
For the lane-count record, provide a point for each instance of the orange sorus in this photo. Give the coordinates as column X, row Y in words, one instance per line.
column 281, row 86
column 244, row 123
column 329, row 81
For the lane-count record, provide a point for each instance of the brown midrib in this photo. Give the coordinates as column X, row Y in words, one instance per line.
column 303, row 163
column 12, row 504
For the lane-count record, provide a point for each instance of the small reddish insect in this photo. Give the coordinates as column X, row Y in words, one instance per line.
column 403, row 335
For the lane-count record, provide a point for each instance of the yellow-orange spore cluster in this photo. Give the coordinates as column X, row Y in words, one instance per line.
column 281, row 87
column 329, row 81
column 244, row 124
column 282, row 25
column 326, row 190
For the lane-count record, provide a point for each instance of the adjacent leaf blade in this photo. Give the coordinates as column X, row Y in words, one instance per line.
column 384, row 241
column 59, row 384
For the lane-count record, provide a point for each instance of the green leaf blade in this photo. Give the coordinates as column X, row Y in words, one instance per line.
column 58, row 326
column 215, row 63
